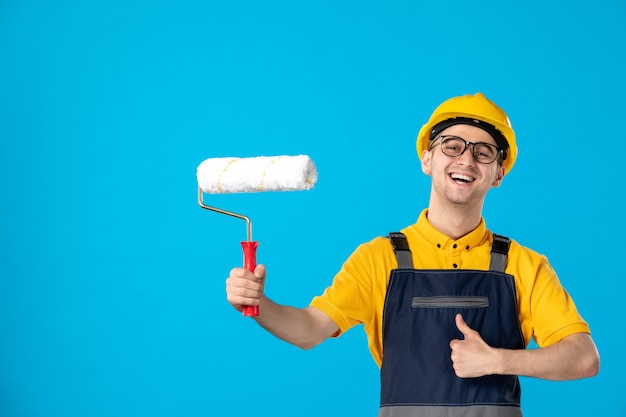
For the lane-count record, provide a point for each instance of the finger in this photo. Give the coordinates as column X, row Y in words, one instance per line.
column 248, row 285
column 462, row 326
column 248, row 294
column 240, row 273
column 241, row 276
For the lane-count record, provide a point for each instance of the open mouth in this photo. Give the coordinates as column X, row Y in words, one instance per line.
column 461, row 179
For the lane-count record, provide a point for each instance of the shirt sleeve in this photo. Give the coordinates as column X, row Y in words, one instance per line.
column 547, row 311
column 348, row 299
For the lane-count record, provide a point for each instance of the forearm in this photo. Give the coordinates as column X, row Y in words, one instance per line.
column 574, row 357
column 304, row 328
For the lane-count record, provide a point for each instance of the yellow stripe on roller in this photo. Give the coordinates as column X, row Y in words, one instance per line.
column 262, row 182
column 219, row 178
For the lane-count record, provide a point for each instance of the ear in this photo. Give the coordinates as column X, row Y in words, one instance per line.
column 499, row 177
column 426, row 159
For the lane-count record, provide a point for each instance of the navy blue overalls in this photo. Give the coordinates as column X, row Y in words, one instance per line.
column 417, row 377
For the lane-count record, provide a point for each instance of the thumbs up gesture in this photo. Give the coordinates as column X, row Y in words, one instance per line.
column 471, row 357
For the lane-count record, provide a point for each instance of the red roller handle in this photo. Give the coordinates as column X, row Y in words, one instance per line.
column 249, row 262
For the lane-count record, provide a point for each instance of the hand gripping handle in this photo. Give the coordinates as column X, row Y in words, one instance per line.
column 249, row 262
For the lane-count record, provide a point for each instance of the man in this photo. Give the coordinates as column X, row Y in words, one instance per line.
column 448, row 306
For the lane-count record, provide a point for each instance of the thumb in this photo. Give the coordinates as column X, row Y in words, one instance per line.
column 462, row 326
column 259, row 272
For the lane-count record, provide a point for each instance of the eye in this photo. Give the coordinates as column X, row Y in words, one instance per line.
column 484, row 149
column 453, row 144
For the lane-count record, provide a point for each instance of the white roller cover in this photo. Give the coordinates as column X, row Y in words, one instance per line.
column 256, row 174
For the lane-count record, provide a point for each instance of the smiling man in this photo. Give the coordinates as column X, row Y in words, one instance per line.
column 448, row 306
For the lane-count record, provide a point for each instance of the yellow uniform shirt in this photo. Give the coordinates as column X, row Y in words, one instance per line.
column 357, row 294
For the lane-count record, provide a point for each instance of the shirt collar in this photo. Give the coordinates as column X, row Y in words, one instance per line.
column 428, row 232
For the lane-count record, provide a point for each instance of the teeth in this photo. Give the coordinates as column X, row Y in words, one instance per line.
column 461, row 177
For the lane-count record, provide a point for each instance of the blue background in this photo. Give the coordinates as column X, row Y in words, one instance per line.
column 112, row 278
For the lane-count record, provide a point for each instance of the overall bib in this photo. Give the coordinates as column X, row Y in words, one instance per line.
column 417, row 377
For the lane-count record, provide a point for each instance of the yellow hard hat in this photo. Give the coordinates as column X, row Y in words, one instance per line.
column 472, row 109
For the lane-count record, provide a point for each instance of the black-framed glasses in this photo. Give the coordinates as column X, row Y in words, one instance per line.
column 454, row 146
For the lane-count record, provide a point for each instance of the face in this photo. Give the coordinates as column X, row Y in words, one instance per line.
column 461, row 180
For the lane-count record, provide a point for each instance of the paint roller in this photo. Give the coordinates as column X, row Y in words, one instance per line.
column 247, row 175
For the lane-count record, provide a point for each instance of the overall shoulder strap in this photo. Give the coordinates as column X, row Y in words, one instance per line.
column 499, row 253
column 401, row 248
